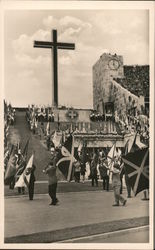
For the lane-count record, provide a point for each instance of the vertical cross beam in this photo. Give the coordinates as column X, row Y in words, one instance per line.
column 55, row 45
column 55, row 69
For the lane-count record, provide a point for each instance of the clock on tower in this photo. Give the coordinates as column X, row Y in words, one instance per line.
column 105, row 70
column 114, row 64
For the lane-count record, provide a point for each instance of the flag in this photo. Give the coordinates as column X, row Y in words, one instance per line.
column 6, row 131
column 63, row 138
column 137, row 168
column 5, row 107
column 20, row 169
column 36, row 123
column 6, row 153
column 71, row 127
column 48, row 129
column 139, row 143
column 56, row 139
column 10, row 168
column 80, row 146
column 22, row 162
column 24, row 178
column 25, row 150
column 126, row 120
column 84, row 152
column 66, row 158
column 125, row 151
column 110, row 158
column 134, row 146
column 126, row 148
column 112, row 153
column 118, row 152
column 11, row 149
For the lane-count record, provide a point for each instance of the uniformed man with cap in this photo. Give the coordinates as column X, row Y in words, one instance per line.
column 52, row 177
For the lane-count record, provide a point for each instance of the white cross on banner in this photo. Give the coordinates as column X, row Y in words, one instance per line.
column 72, row 114
column 66, row 158
column 137, row 169
column 24, row 178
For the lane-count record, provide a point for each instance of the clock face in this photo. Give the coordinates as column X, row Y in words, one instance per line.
column 114, row 64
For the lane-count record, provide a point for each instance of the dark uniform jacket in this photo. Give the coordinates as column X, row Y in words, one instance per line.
column 103, row 170
column 51, row 171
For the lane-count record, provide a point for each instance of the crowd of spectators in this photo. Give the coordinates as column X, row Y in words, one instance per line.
column 97, row 117
column 9, row 119
column 36, row 114
column 136, row 79
column 130, row 122
column 43, row 114
column 9, row 114
column 41, row 121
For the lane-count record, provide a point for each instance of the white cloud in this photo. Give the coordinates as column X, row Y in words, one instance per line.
column 103, row 32
column 69, row 34
column 70, row 20
column 68, row 26
column 50, row 21
column 67, row 21
column 26, row 61
column 24, row 44
column 32, row 62
column 27, row 56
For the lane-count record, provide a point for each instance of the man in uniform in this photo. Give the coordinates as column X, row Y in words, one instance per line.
column 52, row 178
column 116, row 183
column 31, row 183
column 103, row 168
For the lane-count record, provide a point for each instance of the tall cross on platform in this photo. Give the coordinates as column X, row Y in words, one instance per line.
column 55, row 46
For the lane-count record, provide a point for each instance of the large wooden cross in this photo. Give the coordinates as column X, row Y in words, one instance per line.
column 55, row 46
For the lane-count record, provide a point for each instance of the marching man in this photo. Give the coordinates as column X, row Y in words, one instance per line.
column 116, row 183
column 52, row 178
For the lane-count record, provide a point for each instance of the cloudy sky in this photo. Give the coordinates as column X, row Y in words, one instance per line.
column 28, row 70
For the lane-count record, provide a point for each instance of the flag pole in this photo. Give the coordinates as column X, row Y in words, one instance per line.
column 71, row 161
column 111, row 163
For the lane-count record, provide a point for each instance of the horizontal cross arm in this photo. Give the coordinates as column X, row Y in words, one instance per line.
column 49, row 45
column 66, row 45
column 41, row 44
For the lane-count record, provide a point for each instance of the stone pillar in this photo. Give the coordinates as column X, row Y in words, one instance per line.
column 79, row 126
column 83, row 127
column 111, row 126
column 71, row 127
column 114, row 127
column 108, row 127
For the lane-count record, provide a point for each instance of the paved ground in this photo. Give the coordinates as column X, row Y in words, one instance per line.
column 24, row 217
column 136, row 235
column 41, row 187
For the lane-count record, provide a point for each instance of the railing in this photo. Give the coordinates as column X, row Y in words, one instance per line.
column 104, row 127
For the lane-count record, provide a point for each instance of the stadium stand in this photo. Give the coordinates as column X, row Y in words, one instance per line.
column 136, row 79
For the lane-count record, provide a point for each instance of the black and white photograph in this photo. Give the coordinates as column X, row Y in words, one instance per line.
column 77, row 125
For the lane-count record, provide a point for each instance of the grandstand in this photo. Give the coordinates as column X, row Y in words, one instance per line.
column 136, row 80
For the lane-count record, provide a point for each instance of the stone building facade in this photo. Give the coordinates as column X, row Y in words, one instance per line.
column 108, row 95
